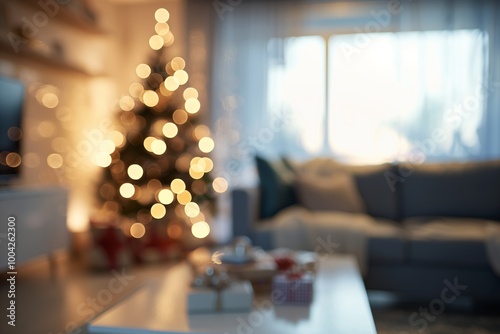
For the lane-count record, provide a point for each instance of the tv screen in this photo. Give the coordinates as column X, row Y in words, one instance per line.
column 11, row 108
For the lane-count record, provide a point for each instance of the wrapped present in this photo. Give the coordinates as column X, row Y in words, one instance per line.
column 214, row 291
column 293, row 288
column 202, row 300
column 237, row 297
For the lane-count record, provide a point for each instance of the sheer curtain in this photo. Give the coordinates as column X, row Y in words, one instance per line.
column 363, row 82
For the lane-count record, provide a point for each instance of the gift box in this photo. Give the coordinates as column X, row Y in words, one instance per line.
column 202, row 300
column 237, row 297
column 293, row 288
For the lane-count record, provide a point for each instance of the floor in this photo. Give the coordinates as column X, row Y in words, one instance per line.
column 393, row 316
column 61, row 299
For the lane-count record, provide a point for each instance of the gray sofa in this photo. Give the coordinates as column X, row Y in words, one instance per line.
column 438, row 216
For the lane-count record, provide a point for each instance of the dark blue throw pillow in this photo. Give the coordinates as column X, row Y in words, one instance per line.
column 277, row 190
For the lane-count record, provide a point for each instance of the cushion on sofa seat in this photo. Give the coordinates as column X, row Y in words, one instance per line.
column 447, row 241
column 452, row 190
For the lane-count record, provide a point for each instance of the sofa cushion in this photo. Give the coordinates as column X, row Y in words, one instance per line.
column 380, row 201
column 276, row 186
column 335, row 192
column 371, row 181
column 452, row 190
column 447, row 241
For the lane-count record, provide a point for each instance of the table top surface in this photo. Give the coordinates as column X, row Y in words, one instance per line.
column 340, row 305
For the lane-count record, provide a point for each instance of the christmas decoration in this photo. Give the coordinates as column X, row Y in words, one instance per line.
column 157, row 167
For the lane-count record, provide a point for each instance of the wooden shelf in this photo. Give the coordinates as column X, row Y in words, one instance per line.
column 29, row 54
column 72, row 18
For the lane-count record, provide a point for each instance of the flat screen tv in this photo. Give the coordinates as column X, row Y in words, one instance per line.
column 12, row 94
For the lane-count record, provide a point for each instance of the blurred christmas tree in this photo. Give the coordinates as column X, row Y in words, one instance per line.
column 157, row 169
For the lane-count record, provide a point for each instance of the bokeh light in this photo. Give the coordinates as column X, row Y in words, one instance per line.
column 46, row 129
column 162, row 28
column 177, row 186
column 220, row 184
column 143, row 71
column 192, row 209
column 137, row 230
column 14, row 133
column 135, row 172
column 184, row 197
column 148, row 142
column 190, row 93
column 55, row 160
column 154, row 185
column 127, row 190
column 103, row 159
column 166, row 196
column 180, row 116
column 181, row 76
column 50, row 100
column 178, row 63
column 107, row 146
column 206, row 144
column 158, row 211
column 13, row 159
column 201, row 131
column 126, row 103
column 208, row 164
column 136, row 90
column 162, row 15
column 192, row 105
column 200, row 230
column 195, row 174
column 171, row 83
column 170, row 130
column 156, row 42
column 168, row 39
column 150, row 98
column 158, row 147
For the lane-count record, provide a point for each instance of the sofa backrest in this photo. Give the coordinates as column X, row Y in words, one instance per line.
column 451, row 189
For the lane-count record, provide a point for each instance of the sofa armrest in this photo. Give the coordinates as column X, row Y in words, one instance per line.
column 245, row 210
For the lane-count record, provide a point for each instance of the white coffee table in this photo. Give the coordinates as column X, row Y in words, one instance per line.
column 340, row 305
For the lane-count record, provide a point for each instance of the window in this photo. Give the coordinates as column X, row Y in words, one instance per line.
column 296, row 85
column 394, row 96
